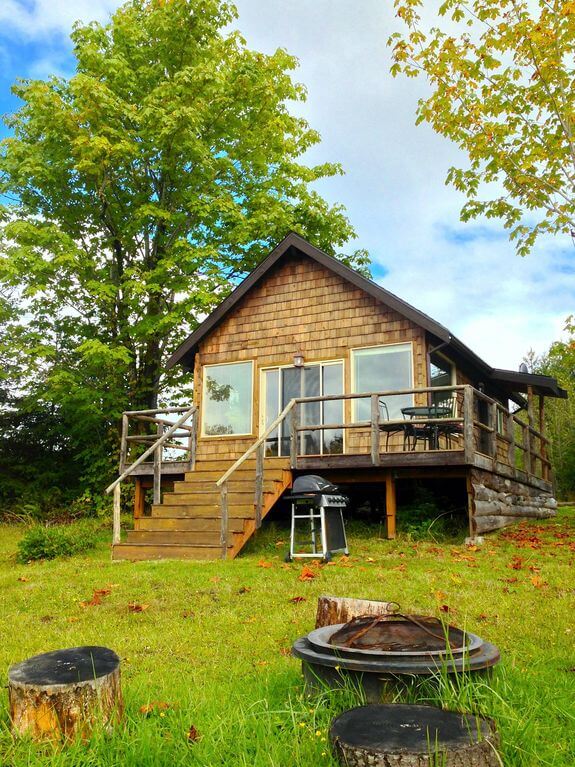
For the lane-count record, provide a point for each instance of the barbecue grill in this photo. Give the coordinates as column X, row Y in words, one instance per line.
column 317, row 527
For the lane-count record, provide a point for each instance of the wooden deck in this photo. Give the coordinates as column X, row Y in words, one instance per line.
column 214, row 508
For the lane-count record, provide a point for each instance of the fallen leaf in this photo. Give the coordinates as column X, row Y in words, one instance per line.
column 46, row 619
column 102, row 592
column 193, row 735
column 516, row 563
column 538, row 582
column 440, row 595
column 472, row 547
column 23, row 579
column 153, row 706
column 297, row 600
column 285, row 566
column 215, row 579
column 134, row 607
column 188, row 614
column 285, row 651
column 445, row 609
column 263, row 563
column 243, row 589
column 280, row 543
column 482, row 617
column 369, row 559
column 262, row 663
column 73, row 620
column 307, row 574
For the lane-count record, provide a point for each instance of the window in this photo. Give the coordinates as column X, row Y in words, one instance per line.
column 382, row 368
column 441, row 374
column 227, row 399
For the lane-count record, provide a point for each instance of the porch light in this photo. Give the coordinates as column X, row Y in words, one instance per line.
column 298, row 360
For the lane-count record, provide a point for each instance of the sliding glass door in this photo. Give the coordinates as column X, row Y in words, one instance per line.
column 280, row 385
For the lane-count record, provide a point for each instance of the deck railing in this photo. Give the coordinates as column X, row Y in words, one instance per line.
column 166, row 432
column 482, row 431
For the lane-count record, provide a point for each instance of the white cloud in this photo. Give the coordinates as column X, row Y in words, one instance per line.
column 40, row 18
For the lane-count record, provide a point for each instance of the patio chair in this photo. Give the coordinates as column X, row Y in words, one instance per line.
column 393, row 428
column 451, row 431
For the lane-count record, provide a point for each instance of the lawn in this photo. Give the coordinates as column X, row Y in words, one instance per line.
column 211, row 640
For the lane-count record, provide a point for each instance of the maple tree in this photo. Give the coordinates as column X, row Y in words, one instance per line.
column 502, row 83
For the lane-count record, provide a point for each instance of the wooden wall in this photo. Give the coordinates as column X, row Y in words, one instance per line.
column 300, row 305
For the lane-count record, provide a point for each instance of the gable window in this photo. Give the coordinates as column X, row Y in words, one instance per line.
column 382, row 368
column 441, row 373
column 227, row 399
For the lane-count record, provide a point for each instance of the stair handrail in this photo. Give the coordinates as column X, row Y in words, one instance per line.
column 222, row 482
column 116, row 484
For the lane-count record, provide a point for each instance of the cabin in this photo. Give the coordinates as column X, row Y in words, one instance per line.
column 309, row 367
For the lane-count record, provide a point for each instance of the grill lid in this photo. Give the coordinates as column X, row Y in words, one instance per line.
column 312, row 483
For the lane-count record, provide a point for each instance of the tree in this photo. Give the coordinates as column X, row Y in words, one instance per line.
column 503, row 89
column 559, row 362
column 139, row 191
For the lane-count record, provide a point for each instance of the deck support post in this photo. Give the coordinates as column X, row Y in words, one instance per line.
column 390, row 505
column 139, row 498
column 294, row 435
column 468, row 424
column 375, row 429
column 158, row 467
column 116, row 517
column 124, row 443
column 224, row 521
column 259, row 499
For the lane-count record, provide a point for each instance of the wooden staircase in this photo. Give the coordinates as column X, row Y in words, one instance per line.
column 187, row 523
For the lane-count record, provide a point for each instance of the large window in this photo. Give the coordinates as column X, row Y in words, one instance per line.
column 441, row 374
column 382, row 368
column 227, row 399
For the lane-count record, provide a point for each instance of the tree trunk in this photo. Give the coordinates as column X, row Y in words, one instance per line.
column 332, row 610
column 65, row 693
column 402, row 735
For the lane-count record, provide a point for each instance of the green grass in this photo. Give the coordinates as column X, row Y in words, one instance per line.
column 213, row 642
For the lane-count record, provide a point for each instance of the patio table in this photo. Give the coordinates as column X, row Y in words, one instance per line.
column 420, row 414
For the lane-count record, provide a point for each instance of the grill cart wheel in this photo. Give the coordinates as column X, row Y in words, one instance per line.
column 402, row 735
column 65, row 693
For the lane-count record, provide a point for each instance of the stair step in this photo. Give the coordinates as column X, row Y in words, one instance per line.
column 211, row 538
column 146, row 551
column 188, row 524
column 239, row 511
column 239, row 486
column 207, row 499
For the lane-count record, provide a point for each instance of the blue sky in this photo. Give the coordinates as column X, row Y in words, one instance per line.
column 466, row 276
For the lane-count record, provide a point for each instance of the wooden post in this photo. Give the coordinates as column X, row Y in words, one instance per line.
column 511, row 438
column 158, row 467
column 390, row 505
column 124, row 443
column 492, row 409
column 117, row 519
column 375, row 429
column 193, row 441
column 544, row 465
column 139, row 498
column 294, row 435
column 530, row 406
column 526, row 450
column 224, row 521
column 259, row 499
column 469, row 448
column 332, row 610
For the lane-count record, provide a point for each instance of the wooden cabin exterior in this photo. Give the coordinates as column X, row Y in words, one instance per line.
column 308, row 367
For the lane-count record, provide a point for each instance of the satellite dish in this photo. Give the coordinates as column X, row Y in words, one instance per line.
column 523, row 368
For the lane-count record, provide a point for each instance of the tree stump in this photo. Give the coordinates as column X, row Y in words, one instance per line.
column 332, row 610
column 402, row 735
column 65, row 693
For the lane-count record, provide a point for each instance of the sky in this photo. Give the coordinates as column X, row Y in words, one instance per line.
column 466, row 276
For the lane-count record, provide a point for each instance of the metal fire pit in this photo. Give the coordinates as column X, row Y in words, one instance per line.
column 378, row 654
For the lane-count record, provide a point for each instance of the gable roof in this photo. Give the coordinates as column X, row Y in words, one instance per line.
column 294, row 244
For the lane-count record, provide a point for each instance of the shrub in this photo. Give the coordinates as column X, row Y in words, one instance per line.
column 50, row 542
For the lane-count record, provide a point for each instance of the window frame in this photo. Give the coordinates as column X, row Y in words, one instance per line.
column 250, row 433
column 353, row 377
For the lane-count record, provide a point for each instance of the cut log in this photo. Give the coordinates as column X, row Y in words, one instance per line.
column 332, row 610
column 402, row 735
column 65, row 693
